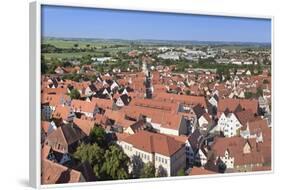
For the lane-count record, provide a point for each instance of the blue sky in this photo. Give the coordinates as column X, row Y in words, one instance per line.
column 101, row 23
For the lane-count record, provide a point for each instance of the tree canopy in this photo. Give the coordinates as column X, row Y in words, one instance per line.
column 116, row 163
column 98, row 135
column 94, row 155
column 148, row 170
column 74, row 94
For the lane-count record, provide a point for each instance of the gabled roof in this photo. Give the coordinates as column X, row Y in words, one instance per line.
column 103, row 103
column 245, row 116
column 84, row 124
column 154, row 143
column 54, row 99
column 235, row 146
column 195, row 139
column 238, row 108
column 125, row 99
column 166, row 119
column 155, row 104
column 232, row 104
column 61, row 112
column 54, row 173
column 83, row 106
column 66, row 134
column 257, row 126
column 93, row 87
column 138, row 126
column 119, row 118
column 189, row 100
column 198, row 110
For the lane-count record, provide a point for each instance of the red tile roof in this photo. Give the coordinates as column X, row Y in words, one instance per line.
column 166, row 119
column 84, row 106
column 62, row 112
column 54, row 99
column 84, row 124
column 54, row 173
column 155, row 104
column 103, row 103
column 189, row 100
column 200, row 171
column 154, row 143
column 235, row 145
column 245, row 116
column 45, row 126
column 232, row 104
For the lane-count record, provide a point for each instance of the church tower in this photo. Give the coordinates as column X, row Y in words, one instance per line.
column 147, row 82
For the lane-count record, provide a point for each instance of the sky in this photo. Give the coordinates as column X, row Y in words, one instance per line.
column 73, row 22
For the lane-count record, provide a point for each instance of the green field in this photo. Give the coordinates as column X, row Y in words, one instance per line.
column 101, row 47
column 71, row 55
column 82, row 43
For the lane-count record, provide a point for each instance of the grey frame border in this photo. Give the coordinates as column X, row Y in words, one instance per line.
column 34, row 94
column 35, row 80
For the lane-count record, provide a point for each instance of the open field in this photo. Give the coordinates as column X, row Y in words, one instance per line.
column 100, row 47
column 82, row 43
column 73, row 55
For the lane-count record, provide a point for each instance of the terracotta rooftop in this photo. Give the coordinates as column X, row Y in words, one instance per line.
column 84, row 124
column 245, row 116
column 84, row 106
column 54, row 99
column 61, row 112
column 166, row 119
column 54, row 173
column 154, row 143
column 189, row 100
column 231, row 104
column 200, row 171
column 235, row 145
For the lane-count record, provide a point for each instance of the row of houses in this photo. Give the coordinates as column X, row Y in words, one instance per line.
column 172, row 131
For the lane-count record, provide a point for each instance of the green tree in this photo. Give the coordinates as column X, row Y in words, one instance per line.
column 148, row 170
column 74, row 94
column 181, row 172
column 86, row 59
column 44, row 66
column 116, row 163
column 248, row 95
column 76, row 45
column 98, row 135
column 94, row 155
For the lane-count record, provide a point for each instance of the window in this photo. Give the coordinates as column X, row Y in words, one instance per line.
column 165, row 161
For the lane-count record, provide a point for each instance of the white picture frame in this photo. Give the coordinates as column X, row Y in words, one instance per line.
column 35, row 76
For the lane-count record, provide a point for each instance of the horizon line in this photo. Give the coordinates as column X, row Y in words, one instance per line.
column 175, row 40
